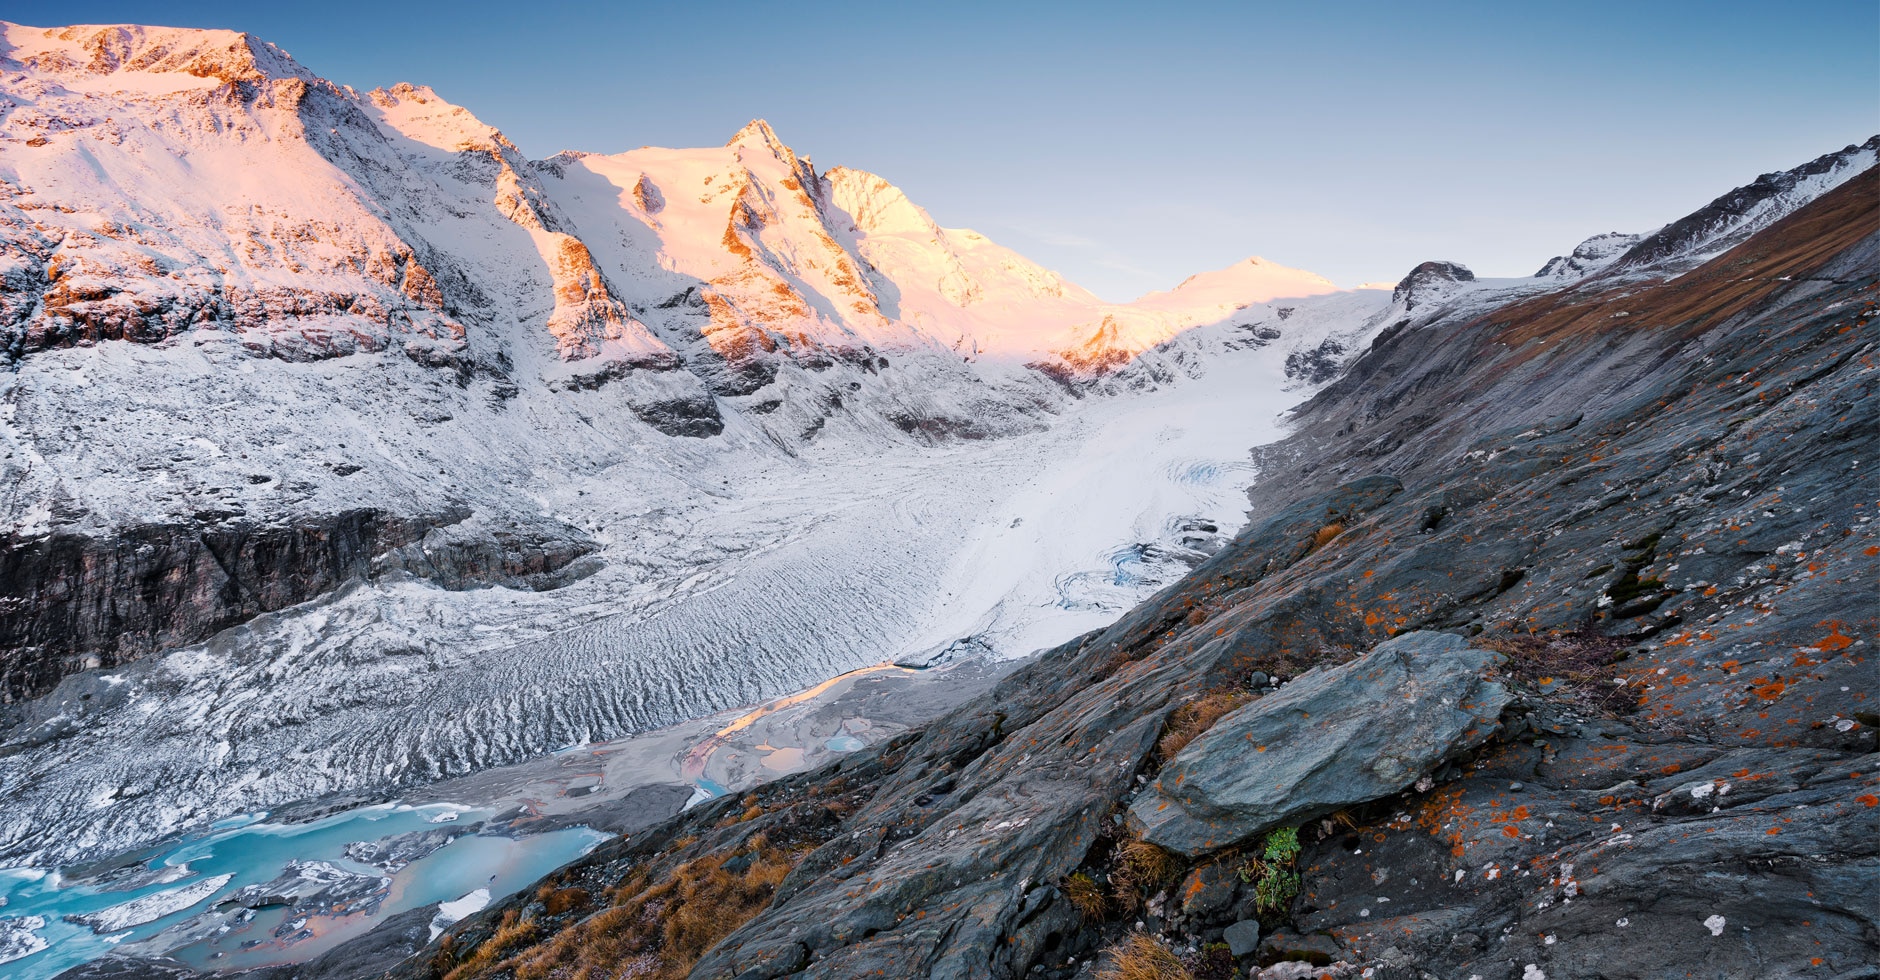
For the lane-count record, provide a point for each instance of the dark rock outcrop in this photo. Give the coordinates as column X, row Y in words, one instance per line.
column 1428, row 282
column 470, row 553
column 1317, row 365
column 73, row 601
column 659, row 392
column 1334, row 738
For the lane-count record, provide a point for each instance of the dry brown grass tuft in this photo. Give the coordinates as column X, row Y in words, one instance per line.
column 1325, row 535
column 1141, row 868
column 656, row 929
column 1143, row 957
column 511, row 935
column 1195, row 717
column 752, row 810
column 564, row 900
column 1578, row 663
column 1084, row 893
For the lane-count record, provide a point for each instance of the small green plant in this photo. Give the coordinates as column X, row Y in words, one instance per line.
column 1283, row 845
column 1274, row 881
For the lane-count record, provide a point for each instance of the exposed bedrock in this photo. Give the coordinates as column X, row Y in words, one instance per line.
column 72, row 600
column 658, row 391
column 473, row 553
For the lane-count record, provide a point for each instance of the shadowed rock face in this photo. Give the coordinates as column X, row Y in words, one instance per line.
column 1657, row 516
column 72, row 601
column 1335, row 737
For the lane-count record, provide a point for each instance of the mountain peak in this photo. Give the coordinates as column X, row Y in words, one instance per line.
column 1429, row 281
column 419, row 113
column 757, row 132
column 1251, row 280
column 108, row 49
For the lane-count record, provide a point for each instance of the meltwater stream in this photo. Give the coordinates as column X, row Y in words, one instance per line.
column 247, row 892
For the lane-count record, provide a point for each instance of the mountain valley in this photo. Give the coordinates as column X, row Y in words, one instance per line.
column 359, row 468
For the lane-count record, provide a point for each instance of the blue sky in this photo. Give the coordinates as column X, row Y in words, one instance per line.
column 1129, row 145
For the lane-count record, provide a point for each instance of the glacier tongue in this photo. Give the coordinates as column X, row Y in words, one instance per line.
column 727, row 576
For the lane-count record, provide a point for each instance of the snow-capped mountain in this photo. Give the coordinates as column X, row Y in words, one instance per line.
column 327, row 300
column 202, row 186
column 292, row 367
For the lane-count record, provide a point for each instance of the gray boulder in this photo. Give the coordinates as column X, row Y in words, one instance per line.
column 1333, row 738
column 1243, row 937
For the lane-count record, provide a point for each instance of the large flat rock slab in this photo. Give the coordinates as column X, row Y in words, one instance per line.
column 1333, row 738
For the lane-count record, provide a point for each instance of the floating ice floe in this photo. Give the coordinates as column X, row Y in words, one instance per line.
column 453, row 911
column 150, row 908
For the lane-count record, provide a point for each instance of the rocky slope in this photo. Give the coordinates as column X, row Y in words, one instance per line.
column 1642, row 506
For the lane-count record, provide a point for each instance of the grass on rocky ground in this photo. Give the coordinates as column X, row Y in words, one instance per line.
column 1190, row 720
column 1087, row 896
column 652, row 930
column 1141, row 956
column 1579, row 664
column 1140, row 870
column 1323, row 536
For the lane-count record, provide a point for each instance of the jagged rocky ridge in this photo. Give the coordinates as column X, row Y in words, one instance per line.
column 1651, row 498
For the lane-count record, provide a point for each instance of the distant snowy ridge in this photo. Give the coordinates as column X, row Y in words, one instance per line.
column 1436, row 289
column 202, row 187
column 1732, row 218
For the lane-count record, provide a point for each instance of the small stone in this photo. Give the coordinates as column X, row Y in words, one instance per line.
column 1258, row 679
column 1514, row 787
column 1208, row 890
column 1242, row 937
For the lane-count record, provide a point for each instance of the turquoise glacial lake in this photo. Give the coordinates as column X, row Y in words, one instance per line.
column 34, row 902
